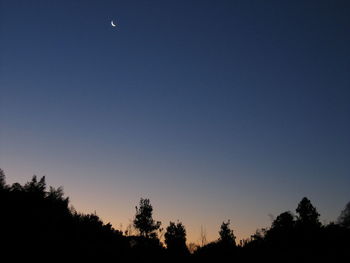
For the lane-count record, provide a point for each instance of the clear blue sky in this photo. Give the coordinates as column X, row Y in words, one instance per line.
column 214, row 110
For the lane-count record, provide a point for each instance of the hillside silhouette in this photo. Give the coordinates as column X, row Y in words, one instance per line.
column 37, row 223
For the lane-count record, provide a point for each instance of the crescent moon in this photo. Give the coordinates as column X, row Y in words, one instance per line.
column 112, row 23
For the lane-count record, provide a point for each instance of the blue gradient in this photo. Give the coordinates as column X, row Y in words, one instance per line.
column 213, row 109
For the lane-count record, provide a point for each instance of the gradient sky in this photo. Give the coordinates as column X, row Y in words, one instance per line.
column 214, row 110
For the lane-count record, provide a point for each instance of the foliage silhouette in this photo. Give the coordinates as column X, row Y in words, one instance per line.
column 144, row 221
column 344, row 218
column 38, row 224
column 308, row 215
column 32, row 217
column 175, row 239
column 224, row 247
column 2, row 179
column 281, row 234
column 227, row 237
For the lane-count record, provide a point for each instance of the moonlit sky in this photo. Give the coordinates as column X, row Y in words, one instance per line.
column 214, row 110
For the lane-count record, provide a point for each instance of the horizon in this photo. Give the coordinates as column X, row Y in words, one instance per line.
column 191, row 238
column 212, row 110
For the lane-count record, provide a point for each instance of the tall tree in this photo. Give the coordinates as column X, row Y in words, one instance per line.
column 307, row 213
column 144, row 221
column 175, row 238
column 226, row 234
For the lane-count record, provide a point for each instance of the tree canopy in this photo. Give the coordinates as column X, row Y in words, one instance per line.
column 175, row 238
column 144, row 221
column 226, row 234
column 307, row 213
column 344, row 218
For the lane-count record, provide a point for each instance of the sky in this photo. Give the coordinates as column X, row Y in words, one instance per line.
column 214, row 110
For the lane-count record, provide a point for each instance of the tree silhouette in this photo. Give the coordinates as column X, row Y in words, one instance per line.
column 2, row 180
column 36, row 187
column 226, row 234
column 307, row 213
column 283, row 221
column 16, row 187
column 344, row 218
column 281, row 232
column 175, row 238
column 144, row 221
column 33, row 217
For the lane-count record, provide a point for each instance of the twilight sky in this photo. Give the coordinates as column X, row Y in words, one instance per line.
column 214, row 110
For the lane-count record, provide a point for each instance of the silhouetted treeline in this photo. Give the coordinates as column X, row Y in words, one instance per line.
column 38, row 223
